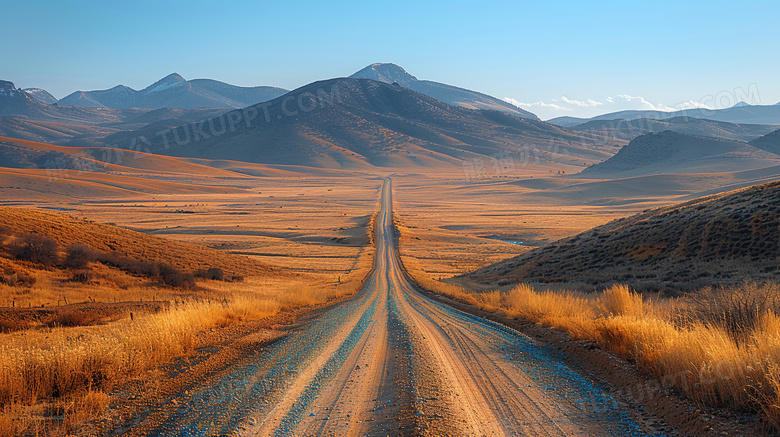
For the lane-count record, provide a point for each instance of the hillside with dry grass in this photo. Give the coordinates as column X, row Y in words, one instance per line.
column 724, row 238
column 87, row 308
column 67, row 231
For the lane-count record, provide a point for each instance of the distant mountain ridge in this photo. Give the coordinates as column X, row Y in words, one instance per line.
column 173, row 91
column 392, row 73
column 630, row 129
column 745, row 114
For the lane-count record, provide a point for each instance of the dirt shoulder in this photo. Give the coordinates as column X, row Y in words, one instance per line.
column 148, row 399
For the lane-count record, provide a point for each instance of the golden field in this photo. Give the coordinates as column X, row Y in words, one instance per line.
column 719, row 346
column 72, row 335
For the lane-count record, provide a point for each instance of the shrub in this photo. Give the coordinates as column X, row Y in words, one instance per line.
column 36, row 248
column 129, row 265
column 740, row 310
column 173, row 277
column 82, row 277
column 213, row 273
column 78, row 256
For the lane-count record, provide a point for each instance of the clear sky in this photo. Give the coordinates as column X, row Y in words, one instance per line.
column 578, row 58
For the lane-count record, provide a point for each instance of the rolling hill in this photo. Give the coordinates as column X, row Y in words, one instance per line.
column 33, row 171
column 716, row 239
column 353, row 123
column 391, row 73
column 672, row 152
column 66, row 230
column 769, row 142
column 173, row 91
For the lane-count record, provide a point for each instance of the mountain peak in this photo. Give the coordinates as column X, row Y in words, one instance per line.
column 41, row 95
column 7, row 88
column 166, row 82
column 122, row 88
column 173, row 78
column 385, row 72
column 740, row 105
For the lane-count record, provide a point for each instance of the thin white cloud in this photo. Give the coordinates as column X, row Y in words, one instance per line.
column 641, row 100
column 591, row 107
column 539, row 104
column 581, row 103
column 690, row 104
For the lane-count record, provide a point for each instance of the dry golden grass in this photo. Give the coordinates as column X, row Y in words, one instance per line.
column 669, row 339
column 123, row 242
column 76, row 367
column 725, row 353
column 70, row 370
column 455, row 227
column 320, row 256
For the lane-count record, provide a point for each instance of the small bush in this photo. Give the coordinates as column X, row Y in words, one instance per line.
column 82, row 277
column 78, row 256
column 35, row 248
column 72, row 318
column 174, row 278
column 213, row 273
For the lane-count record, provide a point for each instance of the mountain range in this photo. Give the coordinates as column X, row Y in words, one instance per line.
column 377, row 118
column 391, row 73
column 740, row 113
column 173, row 91
column 19, row 104
column 362, row 122
column 630, row 129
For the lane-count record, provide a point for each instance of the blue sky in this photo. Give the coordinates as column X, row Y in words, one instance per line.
column 555, row 58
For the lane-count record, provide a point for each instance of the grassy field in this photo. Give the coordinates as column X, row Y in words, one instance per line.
column 136, row 300
column 721, row 349
column 451, row 227
column 718, row 346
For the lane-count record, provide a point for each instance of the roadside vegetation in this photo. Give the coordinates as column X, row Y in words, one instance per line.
column 78, row 320
column 718, row 346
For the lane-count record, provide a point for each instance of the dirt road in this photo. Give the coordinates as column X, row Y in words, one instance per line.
column 393, row 362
